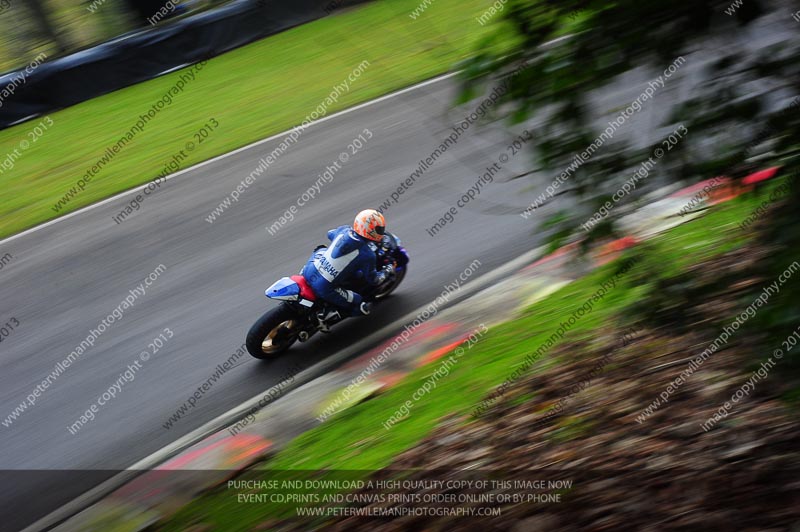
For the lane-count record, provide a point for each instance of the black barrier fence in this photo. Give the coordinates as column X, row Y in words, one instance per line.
column 39, row 89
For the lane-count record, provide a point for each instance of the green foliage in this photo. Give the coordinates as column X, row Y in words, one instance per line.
column 742, row 112
column 669, row 295
column 781, row 317
column 725, row 114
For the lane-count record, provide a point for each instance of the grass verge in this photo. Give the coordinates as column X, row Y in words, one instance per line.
column 252, row 92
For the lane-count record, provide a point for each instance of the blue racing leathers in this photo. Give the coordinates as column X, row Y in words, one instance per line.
column 349, row 257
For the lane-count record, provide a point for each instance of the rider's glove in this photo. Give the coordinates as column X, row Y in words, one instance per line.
column 383, row 274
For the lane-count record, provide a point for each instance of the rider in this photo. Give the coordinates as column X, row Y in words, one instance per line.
column 351, row 255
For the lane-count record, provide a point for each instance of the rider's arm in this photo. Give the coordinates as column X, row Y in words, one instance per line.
column 373, row 275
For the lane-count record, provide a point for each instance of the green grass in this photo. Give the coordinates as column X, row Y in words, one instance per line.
column 356, row 440
column 255, row 91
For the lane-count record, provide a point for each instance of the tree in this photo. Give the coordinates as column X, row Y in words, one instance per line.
column 742, row 115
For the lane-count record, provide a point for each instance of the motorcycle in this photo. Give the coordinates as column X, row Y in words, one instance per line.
column 300, row 314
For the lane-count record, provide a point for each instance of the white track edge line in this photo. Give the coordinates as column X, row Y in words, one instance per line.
column 226, row 154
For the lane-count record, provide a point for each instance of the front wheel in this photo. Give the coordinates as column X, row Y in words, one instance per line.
column 389, row 286
column 273, row 333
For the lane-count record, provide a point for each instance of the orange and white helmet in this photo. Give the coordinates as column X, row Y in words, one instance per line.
column 370, row 224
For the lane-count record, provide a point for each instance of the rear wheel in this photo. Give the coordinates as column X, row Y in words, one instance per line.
column 273, row 333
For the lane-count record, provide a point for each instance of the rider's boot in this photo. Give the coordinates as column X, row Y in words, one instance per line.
column 328, row 319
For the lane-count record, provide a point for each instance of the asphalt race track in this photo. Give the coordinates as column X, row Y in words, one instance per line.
column 66, row 277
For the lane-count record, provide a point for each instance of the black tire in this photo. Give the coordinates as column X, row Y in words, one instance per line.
column 281, row 323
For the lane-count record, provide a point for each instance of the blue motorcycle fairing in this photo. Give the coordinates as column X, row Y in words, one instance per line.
column 284, row 289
